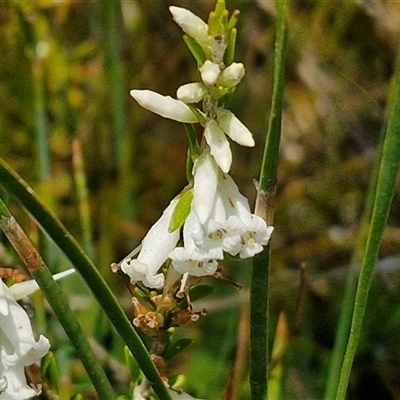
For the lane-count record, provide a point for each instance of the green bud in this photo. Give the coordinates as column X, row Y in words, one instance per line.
column 230, row 50
column 215, row 25
column 220, row 7
column 133, row 366
column 143, row 298
column 181, row 211
column 233, row 20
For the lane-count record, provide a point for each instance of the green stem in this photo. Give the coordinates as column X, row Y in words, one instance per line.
column 259, row 294
column 346, row 309
column 389, row 166
column 64, row 240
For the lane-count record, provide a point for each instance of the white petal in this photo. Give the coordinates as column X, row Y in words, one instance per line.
column 235, row 203
column 191, row 93
column 219, row 145
column 165, row 106
column 194, row 267
column 234, row 128
column 26, row 288
column 209, row 73
column 231, row 75
column 156, row 246
column 192, row 25
column 205, row 185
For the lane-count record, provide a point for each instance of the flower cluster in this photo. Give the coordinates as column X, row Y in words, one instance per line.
column 18, row 348
column 210, row 217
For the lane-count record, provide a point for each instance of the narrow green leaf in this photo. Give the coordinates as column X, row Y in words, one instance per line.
column 50, row 371
column 387, row 174
column 132, row 365
column 181, row 211
column 229, row 55
column 174, row 348
column 195, row 49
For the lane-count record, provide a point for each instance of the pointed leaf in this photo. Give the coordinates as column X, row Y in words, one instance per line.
column 181, row 211
column 177, row 347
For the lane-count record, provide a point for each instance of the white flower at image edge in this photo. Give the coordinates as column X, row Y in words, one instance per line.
column 156, row 246
column 18, row 348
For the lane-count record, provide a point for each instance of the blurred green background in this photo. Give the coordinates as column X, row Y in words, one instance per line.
column 66, row 69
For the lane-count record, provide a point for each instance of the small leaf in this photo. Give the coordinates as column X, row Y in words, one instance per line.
column 76, row 396
column 181, row 211
column 195, row 49
column 50, row 371
column 144, row 299
column 132, row 365
column 173, row 349
column 177, row 382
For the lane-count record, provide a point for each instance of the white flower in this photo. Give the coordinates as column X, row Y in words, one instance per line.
column 18, row 347
column 156, row 246
column 234, row 128
column 209, row 73
column 191, row 92
column 257, row 236
column 219, row 145
column 230, row 226
column 165, row 106
column 231, row 75
column 205, row 174
column 194, row 26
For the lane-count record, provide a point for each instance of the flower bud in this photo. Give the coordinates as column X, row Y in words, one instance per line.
column 165, row 106
column 231, row 75
column 209, row 73
column 192, row 25
column 234, row 128
column 191, row 93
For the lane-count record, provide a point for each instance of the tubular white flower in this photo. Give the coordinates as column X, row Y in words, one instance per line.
column 18, row 347
column 191, row 92
column 155, row 248
column 209, row 73
column 205, row 176
column 234, row 128
column 219, row 145
column 165, row 106
column 192, row 25
column 231, row 75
